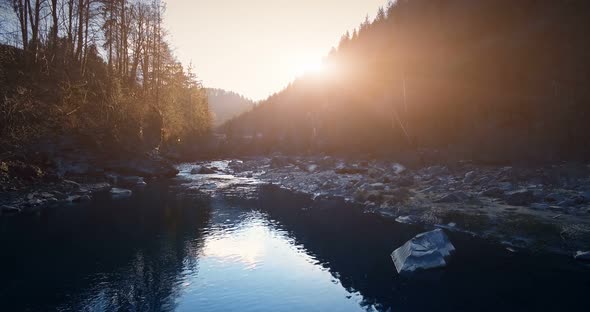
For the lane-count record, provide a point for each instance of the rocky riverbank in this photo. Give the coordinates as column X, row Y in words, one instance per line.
column 73, row 178
column 531, row 208
column 543, row 208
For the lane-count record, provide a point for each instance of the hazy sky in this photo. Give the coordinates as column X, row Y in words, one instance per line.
column 256, row 47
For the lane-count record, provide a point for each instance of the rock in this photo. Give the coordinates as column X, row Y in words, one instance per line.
column 540, row 206
column 555, row 197
column 146, row 167
column 120, row 193
column 59, row 195
column 406, row 219
column 377, row 186
column 506, row 186
column 202, row 170
column 519, row 198
column 494, row 192
column 9, row 210
column 453, row 198
column 312, row 168
column 351, row 170
column 434, row 171
column 586, row 196
column 98, row 187
column 582, row 255
column 236, row 165
column 131, row 181
column 425, row 251
column 469, row 177
column 74, row 199
column 279, row 162
column 398, row 168
column 363, row 195
column 71, row 184
column 404, row 181
column 46, row 195
column 571, row 202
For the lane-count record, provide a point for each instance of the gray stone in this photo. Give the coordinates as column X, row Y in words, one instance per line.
column 71, row 184
column 279, row 162
column 425, row 251
column 540, row 206
column 555, row 197
column 202, row 170
column 312, row 168
column 469, row 177
column 99, row 187
column 582, row 255
column 59, row 195
column 120, row 193
column 351, row 170
column 131, row 181
column 519, row 198
column 453, row 198
column 494, row 192
column 406, row 219
column 398, row 168
column 506, row 186
column 74, row 199
column 9, row 210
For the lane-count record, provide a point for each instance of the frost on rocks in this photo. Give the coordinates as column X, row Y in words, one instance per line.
column 425, row 251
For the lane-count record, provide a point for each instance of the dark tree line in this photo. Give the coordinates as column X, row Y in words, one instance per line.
column 490, row 79
column 97, row 67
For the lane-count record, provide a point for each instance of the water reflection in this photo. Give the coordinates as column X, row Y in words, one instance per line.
column 160, row 250
column 179, row 249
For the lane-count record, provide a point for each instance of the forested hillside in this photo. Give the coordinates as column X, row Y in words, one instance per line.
column 490, row 80
column 225, row 105
column 101, row 70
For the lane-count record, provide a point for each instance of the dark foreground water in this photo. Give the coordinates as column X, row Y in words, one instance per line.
column 174, row 249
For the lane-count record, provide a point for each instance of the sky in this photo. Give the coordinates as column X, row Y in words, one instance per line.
column 256, row 47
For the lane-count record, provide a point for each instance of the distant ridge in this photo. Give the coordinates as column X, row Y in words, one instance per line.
column 227, row 104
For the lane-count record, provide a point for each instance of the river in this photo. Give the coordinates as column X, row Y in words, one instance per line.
column 219, row 243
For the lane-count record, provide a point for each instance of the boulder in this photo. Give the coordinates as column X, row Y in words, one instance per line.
column 519, row 198
column 120, row 193
column 279, row 162
column 469, row 177
column 453, row 198
column 9, row 210
column 101, row 187
column 406, row 219
column 582, row 255
column 131, row 181
column 425, row 251
column 398, row 168
column 493, row 192
column 312, row 168
column 351, row 170
column 540, row 206
column 149, row 168
column 555, row 197
column 202, row 170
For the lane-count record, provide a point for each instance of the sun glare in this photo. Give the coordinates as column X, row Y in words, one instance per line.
column 311, row 67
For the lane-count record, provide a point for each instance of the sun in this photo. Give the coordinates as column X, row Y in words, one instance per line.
column 311, row 67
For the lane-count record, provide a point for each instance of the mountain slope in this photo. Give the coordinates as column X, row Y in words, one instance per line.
column 487, row 79
column 227, row 104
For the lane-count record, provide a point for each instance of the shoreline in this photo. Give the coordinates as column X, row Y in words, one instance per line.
column 542, row 208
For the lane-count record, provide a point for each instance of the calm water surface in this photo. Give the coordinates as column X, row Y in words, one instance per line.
column 231, row 246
